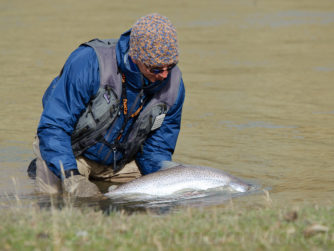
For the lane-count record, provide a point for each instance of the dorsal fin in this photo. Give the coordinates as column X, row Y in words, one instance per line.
column 168, row 164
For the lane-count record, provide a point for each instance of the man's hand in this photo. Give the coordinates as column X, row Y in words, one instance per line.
column 80, row 186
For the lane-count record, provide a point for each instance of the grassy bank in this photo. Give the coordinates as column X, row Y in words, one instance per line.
column 228, row 228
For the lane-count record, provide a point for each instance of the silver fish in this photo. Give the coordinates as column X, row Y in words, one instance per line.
column 178, row 180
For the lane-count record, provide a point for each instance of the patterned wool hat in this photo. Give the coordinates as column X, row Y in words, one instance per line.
column 153, row 41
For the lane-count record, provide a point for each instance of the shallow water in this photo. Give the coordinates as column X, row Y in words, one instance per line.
column 258, row 78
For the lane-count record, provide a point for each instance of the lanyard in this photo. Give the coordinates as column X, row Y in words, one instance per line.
column 127, row 115
column 125, row 106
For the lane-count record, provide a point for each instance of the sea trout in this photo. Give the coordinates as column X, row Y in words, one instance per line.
column 179, row 180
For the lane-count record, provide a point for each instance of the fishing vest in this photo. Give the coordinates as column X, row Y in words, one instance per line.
column 103, row 109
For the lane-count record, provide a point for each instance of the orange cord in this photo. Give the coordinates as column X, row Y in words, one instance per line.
column 125, row 105
column 136, row 112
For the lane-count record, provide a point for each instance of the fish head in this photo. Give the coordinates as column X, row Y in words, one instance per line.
column 240, row 186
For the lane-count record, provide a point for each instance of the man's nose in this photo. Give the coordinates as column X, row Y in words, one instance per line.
column 163, row 74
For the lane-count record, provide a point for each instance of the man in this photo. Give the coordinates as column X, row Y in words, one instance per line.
column 114, row 111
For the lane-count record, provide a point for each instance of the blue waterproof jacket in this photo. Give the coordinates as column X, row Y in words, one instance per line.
column 67, row 97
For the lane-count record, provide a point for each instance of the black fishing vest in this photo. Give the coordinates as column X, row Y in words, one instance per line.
column 104, row 107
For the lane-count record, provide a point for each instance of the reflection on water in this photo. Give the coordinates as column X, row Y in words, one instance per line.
column 291, row 18
column 208, row 198
column 14, row 151
column 159, row 206
column 258, row 75
column 272, row 20
column 254, row 124
column 324, row 68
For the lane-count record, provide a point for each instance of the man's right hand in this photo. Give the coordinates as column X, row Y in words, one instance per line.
column 80, row 186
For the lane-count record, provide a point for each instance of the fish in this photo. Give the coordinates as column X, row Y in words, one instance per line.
column 177, row 181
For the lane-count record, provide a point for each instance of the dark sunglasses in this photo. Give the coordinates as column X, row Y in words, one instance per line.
column 160, row 70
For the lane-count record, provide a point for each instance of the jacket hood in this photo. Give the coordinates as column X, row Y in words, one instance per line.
column 134, row 77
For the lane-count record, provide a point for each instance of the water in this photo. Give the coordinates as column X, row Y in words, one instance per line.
column 258, row 78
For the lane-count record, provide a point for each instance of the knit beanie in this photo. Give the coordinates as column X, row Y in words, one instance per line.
column 153, row 41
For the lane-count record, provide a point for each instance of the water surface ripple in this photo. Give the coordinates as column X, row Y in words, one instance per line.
column 258, row 75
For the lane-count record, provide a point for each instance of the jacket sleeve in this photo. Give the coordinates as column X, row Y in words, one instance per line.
column 160, row 145
column 63, row 103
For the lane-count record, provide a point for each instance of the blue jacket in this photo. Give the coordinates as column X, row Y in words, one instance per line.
column 67, row 97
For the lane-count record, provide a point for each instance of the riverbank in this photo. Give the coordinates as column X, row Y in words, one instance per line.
column 307, row 227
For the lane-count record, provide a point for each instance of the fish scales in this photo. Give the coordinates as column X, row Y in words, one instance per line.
column 180, row 178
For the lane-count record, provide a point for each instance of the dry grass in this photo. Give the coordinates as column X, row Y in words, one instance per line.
column 214, row 228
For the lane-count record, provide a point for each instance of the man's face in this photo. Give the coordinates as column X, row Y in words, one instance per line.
column 152, row 77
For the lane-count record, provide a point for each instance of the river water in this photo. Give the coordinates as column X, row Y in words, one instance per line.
column 258, row 75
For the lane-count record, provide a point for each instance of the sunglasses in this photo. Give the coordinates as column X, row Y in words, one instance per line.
column 160, row 70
